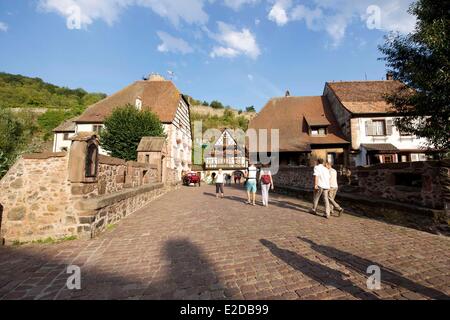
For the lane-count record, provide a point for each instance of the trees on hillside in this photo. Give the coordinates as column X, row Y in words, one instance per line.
column 217, row 105
column 16, row 130
column 125, row 128
column 422, row 61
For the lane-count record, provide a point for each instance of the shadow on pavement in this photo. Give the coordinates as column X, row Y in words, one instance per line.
column 360, row 265
column 317, row 272
column 183, row 273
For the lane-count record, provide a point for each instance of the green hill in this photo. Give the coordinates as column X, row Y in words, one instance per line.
column 30, row 109
column 17, row 91
column 48, row 104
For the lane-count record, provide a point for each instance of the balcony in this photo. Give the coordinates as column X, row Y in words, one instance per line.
column 223, row 163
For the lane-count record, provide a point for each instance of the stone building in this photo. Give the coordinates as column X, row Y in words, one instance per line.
column 307, row 128
column 367, row 122
column 351, row 124
column 157, row 95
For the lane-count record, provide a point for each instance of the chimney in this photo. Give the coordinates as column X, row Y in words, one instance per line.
column 389, row 76
column 155, row 77
column 288, row 94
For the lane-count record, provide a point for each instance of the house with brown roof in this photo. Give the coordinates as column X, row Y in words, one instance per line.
column 307, row 128
column 159, row 96
column 62, row 135
column 367, row 121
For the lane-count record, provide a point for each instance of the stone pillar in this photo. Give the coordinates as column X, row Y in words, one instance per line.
column 83, row 163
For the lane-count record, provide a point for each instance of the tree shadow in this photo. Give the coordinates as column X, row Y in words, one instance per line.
column 317, row 272
column 184, row 272
column 360, row 265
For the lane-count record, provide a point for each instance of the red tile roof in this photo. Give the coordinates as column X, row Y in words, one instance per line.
column 161, row 97
column 360, row 97
column 289, row 115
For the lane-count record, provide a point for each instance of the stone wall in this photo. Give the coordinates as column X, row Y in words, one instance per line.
column 420, row 183
column 36, row 197
column 413, row 194
column 298, row 177
column 51, row 195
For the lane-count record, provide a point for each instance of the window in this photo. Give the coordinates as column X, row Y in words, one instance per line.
column 147, row 158
column 66, row 136
column 415, row 157
column 97, row 128
column 379, row 128
column 318, row 131
column 91, row 161
column 138, row 103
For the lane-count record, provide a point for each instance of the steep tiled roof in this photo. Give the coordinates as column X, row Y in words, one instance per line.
column 290, row 114
column 161, row 97
column 151, row 144
column 66, row 126
column 365, row 96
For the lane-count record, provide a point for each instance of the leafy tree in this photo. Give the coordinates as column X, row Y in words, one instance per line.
column 125, row 128
column 205, row 104
column 421, row 60
column 50, row 120
column 216, row 105
column 250, row 109
column 11, row 132
column 16, row 130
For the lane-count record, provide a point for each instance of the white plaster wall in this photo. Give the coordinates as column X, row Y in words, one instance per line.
column 401, row 142
column 59, row 143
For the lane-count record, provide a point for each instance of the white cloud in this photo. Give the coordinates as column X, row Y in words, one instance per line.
column 278, row 13
column 237, row 4
column 3, row 27
column 173, row 44
column 335, row 16
column 87, row 11
column 234, row 42
column 224, row 52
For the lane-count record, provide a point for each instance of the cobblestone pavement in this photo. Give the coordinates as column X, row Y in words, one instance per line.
column 190, row 245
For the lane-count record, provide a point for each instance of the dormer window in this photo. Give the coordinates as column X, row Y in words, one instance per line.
column 318, row 131
column 138, row 103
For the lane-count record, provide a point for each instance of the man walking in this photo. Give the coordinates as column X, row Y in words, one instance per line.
column 333, row 190
column 321, row 186
column 251, row 175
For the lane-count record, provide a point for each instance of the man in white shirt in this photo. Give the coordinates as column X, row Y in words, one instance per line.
column 333, row 190
column 251, row 176
column 321, row 186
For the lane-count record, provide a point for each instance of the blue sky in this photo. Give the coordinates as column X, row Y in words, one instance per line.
column 241, row 52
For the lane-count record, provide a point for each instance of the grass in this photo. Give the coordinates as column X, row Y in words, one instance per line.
column 111, row 227
column 48, row 240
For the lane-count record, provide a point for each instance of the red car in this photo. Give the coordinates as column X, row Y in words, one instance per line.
column 191, row 178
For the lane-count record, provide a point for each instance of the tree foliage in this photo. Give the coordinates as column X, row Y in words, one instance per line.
column 250, row 109
column 16, row 131
column 227, row 120
column 421, row 60
column 217, row 105
column 125, row 128
column 20, row 92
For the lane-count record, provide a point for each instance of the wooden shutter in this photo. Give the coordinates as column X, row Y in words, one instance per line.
column 369, row 128
column 389, row 125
